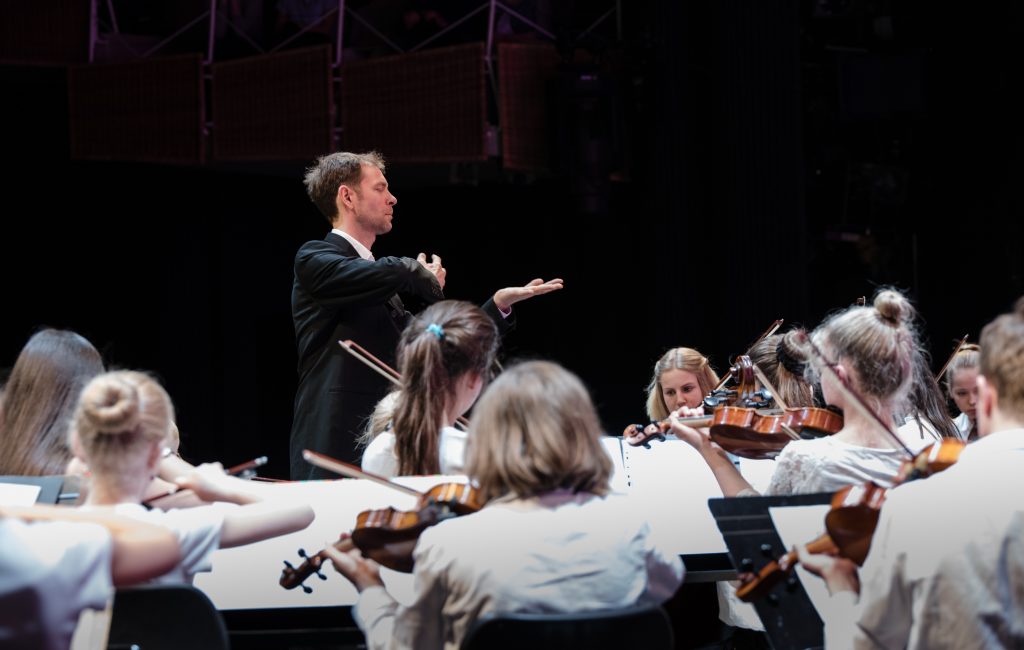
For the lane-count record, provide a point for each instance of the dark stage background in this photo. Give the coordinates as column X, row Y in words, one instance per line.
column 745, row 161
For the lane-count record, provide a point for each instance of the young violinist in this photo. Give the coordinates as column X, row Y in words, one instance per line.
column 962, row 387
column 549, row 539
column 122, row 423
column 56, row 562
column 681, row 377
column 968, row 590
column 777, row 357
column 872, row 348
column 444, row 357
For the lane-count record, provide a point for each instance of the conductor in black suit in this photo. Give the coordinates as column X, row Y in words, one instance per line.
column 342, row 292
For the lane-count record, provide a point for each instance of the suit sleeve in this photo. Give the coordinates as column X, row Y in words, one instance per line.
column 335, row 280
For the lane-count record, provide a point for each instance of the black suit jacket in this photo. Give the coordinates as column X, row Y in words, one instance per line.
column 337, row 295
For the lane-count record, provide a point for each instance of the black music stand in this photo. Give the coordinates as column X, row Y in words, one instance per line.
column 789, row 617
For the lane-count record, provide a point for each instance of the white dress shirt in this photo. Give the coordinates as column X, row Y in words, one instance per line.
column 561, row 552
column 363, row 251
column 946, row 566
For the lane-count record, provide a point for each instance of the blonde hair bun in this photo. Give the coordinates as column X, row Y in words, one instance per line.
column 111, row 405
column 893, row 308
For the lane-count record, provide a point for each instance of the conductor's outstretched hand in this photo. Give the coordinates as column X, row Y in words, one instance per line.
column 505, row 298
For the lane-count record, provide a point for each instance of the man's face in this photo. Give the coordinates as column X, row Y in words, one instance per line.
column 373, row 203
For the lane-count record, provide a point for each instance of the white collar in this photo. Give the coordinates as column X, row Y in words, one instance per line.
column 363, row 251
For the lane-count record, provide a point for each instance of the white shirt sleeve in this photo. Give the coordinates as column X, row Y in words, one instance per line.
column 389, row 626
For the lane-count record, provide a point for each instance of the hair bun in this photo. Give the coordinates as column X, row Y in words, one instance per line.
column 892, row 307
column 111, row 405
column 791, row 352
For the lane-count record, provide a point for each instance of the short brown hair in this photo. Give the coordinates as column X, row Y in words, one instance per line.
column 535, row 430
column 1002, row 359
column 330, row 172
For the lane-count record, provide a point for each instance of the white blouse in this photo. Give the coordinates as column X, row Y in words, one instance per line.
column 561, row 552
column 379, row 456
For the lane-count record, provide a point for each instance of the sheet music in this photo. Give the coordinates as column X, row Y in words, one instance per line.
column 614, row 447
column 18, row 494
column 672, row 483
column 246, row 577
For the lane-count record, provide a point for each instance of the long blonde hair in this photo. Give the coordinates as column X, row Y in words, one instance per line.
column 119, row 417
column 535, row 430
column 686, row 359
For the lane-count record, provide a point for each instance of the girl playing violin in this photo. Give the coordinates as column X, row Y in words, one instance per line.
column 872, row 348
column 549, row 539
column 682, row 377
column 122, row 423
column 444, row 357
column 968, row 590
column 962, row 387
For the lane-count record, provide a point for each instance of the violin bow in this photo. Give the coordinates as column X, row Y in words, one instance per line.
column 383, row 369
column 351, row 471
column 774, row 327
column 854, row 397
column 763, row 378
column 372, row 362
column 959, row 346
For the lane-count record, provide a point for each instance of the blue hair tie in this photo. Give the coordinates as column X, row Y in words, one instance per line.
column 436, row 330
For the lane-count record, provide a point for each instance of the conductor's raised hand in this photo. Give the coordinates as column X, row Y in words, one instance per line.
column 505, row 298
column 434, row 266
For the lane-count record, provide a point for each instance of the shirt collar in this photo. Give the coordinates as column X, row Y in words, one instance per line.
column 996, row 443
column 363, row 251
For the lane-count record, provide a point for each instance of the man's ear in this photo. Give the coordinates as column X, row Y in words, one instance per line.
column 345, row 194
column 988, row 402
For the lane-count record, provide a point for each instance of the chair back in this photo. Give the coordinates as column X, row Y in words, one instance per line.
column 171, row 617
column 632, row 627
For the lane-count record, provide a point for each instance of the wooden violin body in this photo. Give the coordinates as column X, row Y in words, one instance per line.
column 762, row 433
column 388, row 536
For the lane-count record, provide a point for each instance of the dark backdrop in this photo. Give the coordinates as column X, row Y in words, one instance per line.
column 756, row 160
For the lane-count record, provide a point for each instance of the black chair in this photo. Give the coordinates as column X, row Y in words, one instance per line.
column 633, row 627
column 171, row 617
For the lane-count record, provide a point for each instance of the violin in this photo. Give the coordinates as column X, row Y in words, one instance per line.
column 387, row 535
column 853, row 516
column 852, row 519
column 759, row 434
